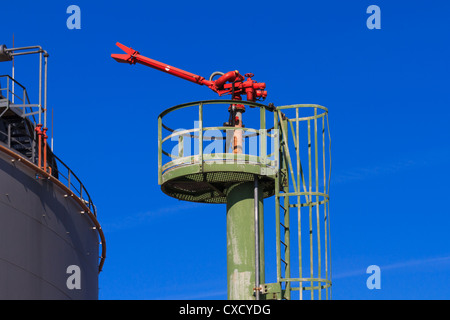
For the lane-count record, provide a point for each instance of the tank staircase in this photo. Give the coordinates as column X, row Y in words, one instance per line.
column 20, row 137
column 17, row 122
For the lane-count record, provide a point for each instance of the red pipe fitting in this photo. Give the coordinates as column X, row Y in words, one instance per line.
column 39, row 134
column 44, row 131
column 228, row 77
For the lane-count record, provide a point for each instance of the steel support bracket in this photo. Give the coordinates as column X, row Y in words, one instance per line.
column 272, row 291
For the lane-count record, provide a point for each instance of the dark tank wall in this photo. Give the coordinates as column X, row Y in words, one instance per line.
column 43, row 234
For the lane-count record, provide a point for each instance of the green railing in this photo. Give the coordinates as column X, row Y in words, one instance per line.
column 255, row 139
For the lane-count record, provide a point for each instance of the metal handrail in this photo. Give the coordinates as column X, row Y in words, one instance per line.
column 70, row 176
column 216, row 101
column 79, row 192
column 262, row 154
column 25, row 99
column 8, row 87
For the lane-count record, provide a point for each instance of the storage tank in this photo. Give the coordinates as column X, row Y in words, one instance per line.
column 51, row 244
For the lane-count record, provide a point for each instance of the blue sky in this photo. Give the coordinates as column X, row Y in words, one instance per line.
column 387, row 95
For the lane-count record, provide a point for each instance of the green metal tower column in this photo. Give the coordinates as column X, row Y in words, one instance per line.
column 241, row 255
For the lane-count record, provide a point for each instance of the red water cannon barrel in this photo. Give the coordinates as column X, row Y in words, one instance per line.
column 232, row 82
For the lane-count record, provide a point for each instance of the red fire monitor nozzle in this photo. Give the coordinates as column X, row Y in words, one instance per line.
column 229, row 83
